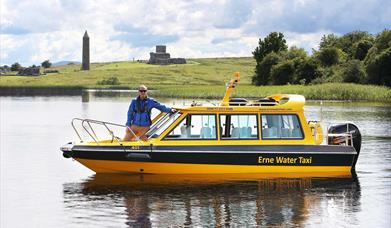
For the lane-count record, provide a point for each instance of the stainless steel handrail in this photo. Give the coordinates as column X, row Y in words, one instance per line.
column 92, row 133
column 74, row 128
column 348, row 136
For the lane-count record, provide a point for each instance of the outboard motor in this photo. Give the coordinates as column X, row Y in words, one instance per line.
column 346, row 128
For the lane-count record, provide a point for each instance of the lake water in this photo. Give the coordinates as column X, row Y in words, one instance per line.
column 40, row 188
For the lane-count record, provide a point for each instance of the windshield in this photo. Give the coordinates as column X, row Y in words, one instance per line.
column 162, row 124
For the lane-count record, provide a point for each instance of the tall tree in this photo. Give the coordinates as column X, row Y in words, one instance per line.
column 361, row 48
column 295, row 52
column 328, row 41
column 382, row 42
column 353, row 71
column 274, row 42
column 379, row 68
column 46, row 64
column 264, row 68
column 347, row 43
column 15, row 67
column 378, row 60
column 283, row 73
column 329, row 56
column 307, row 70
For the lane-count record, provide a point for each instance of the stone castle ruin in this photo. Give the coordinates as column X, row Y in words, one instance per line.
column 163, row 58
column 29, row 71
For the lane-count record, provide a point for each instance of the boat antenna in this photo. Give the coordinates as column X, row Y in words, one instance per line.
column 321, row 111
column 230, row 87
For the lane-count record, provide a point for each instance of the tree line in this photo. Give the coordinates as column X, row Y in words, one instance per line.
column 356, row 57
column 16, row 66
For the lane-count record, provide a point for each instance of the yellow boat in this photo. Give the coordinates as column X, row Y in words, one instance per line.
column 267, row 136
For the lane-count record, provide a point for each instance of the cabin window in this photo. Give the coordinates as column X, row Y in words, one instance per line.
column 162, row 124
column 281, row 127
column 238, row 126
column 195, row 127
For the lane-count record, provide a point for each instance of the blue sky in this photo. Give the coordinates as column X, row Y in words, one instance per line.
column 119, row 30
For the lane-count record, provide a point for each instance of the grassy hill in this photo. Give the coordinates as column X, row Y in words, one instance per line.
column 131, row 74
column 199, row 78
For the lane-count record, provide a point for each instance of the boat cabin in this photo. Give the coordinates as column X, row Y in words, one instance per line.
column 254, row 123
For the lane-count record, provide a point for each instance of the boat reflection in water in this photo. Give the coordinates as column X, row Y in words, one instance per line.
column 200, row 200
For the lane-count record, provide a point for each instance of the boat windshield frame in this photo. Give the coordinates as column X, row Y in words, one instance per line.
column 162, row 123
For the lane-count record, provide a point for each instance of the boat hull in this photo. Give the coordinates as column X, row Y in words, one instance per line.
column 310, row 159
column 107, row 166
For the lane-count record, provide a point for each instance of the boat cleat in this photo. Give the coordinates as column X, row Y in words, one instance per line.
column 67, row 150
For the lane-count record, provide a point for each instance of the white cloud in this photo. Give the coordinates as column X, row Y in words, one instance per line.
column 308, row 41
column 32, row 31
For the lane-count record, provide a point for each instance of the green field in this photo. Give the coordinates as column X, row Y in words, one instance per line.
column 131, row 74
column 200, row 78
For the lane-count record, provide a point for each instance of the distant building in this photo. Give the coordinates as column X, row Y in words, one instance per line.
column 163, row 58
column 85, row 65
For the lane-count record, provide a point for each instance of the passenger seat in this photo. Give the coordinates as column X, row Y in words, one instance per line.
column 185, row 131
column 245, row 132
column 270, row 132
column 206, row 133
column 235, row 132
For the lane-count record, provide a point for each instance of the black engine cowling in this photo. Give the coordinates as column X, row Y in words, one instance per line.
column 348, row 128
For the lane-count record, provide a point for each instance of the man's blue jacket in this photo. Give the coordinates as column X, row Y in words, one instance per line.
column 139, row 112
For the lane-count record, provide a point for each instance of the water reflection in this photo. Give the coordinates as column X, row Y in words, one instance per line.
column 167, row 200
column 85, row 96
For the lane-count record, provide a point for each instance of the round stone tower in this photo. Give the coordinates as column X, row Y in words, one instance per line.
column 85, row 65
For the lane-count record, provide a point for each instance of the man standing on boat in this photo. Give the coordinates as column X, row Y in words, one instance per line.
column 139, row 114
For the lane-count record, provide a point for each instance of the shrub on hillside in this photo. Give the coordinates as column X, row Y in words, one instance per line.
column 109, row 81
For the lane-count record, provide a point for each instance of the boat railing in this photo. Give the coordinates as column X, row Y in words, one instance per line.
column 87, row 126
column 347, row 136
